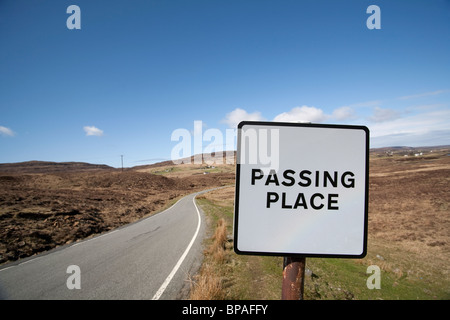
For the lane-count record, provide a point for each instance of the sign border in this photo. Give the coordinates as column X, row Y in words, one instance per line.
column 237, row 189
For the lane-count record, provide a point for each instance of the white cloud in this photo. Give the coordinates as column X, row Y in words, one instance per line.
column 233, row 118
column 4, row 131
column 93, row 131
column 366, row 104
column 420, row 95
column 432, row 128
column 344, row 113
column 425, row 125
column 383, row 115
column 302, row 114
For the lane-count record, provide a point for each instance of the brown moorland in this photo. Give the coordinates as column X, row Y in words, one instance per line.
column 408, row 230
column 44, row 205
column 409, row 217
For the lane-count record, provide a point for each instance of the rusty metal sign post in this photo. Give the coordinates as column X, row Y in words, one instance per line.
column 293, row 278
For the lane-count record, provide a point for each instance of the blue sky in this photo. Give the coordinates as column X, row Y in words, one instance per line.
column 138, row 70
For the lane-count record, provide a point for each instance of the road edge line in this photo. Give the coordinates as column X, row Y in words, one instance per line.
column 166, row 282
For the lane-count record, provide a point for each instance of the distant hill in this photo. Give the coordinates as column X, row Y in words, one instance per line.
column 50, row 167
column 207, row 159
column 406, row 150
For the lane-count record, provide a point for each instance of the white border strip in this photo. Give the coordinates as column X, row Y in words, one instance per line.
column 166, row 282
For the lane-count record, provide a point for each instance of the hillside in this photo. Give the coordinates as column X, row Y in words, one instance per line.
column 47, row 204
column 50, row 167
column 408, row 239
column 44, row 205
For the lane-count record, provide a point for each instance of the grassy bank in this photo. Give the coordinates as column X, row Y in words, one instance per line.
column 405, row 272
column 225, row 275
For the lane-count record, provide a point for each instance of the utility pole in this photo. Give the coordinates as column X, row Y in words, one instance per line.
column 121, row 156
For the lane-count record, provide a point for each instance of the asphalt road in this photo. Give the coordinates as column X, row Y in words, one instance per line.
column 150, row 259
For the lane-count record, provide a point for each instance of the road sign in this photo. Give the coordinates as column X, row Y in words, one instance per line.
column 301, row 189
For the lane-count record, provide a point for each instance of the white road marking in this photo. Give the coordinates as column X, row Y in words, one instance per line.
column 166, row 282
column 28, row 261
column 6, row 268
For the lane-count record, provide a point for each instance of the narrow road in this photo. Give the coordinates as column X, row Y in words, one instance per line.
column 149, row 259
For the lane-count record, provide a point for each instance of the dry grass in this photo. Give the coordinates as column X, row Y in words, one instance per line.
column 241, row 277
column 409, row 223
column 208, row 285
column 217, row 249
column 189, row 170
column 409, row 213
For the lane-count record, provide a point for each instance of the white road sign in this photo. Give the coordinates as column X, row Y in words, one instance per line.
column 301, row 189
